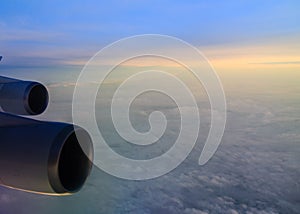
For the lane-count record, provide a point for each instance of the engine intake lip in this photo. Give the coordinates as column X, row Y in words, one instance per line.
column 70, row 162
column 36, row 98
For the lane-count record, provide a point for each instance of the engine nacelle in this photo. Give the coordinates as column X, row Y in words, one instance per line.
column 44, row 157
column 22, row 97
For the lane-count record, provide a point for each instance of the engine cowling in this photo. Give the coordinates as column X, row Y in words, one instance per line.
column 22, row 97
column 43, row 157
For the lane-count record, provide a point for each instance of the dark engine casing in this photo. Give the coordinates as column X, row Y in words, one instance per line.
column 22, row 97
column 45, row 157
column 39, row 156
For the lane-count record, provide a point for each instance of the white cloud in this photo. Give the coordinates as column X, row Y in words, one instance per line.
column 255, row 170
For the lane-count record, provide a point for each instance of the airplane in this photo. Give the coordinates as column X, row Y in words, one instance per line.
column 43, row 157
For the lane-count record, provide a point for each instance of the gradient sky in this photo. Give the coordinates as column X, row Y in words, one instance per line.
column 254, row 47
column 60, row 32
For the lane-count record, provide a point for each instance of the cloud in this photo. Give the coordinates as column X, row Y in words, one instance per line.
column 26, row 35
column 277, row 63
column 255, row 170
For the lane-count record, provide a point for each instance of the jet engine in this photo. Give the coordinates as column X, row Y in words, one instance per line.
column 22, row 97
column 39, row 156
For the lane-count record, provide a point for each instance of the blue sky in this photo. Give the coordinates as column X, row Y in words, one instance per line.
column 62, row 28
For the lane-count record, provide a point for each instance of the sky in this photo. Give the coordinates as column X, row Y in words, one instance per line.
column 254, row 47
column 58, row 32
